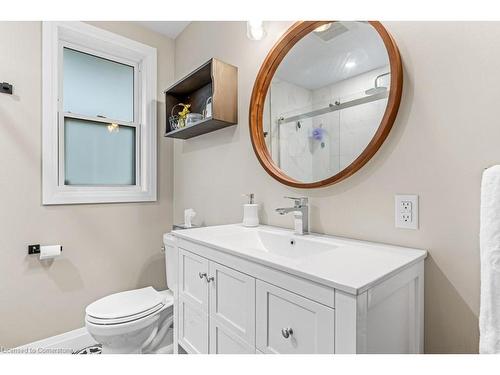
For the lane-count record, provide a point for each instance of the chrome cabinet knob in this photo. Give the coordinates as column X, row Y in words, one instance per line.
column 286, row 332
column 209, row 279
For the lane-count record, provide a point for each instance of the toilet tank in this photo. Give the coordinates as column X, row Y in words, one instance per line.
column 170, row 260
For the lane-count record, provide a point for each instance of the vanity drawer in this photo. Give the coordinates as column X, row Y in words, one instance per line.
column 290, row 324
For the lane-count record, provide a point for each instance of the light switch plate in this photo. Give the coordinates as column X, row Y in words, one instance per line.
column 406, row 211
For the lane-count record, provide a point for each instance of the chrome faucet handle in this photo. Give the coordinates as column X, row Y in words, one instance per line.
column 299, row 201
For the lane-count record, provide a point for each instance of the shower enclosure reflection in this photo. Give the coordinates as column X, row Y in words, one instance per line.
column 327, row 100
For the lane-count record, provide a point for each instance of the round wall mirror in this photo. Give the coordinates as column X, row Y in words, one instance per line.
column 324, row 101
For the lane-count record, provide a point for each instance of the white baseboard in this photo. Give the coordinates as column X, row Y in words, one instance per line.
column 65, row 343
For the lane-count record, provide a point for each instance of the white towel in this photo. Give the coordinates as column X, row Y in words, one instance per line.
column 489, row 242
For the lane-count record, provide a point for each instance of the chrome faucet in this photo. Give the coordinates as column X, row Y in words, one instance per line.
column 300, row 212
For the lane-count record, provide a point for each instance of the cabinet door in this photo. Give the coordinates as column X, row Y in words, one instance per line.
column 224, row 341
column 193, row 328
column 193, row 286
column 290, row 324
column 232, row 301
column 192, row 322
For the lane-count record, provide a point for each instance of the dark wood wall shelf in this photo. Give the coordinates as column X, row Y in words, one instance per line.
column 214, row 79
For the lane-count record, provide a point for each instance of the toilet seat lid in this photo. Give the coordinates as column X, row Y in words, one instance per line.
column 126, row 304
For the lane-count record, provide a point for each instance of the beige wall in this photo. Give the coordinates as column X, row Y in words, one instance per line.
column 107, row 247
column 445, row 134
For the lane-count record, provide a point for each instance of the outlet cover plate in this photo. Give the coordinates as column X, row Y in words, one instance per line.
column 406, row 211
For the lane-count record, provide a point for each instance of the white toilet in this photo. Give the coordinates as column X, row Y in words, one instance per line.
column 139, row 320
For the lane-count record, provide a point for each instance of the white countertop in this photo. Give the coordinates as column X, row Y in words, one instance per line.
column 349, row 265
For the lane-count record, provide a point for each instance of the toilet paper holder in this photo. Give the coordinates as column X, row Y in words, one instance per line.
column 35, row 249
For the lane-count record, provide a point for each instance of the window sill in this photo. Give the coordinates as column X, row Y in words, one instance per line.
column 97, row 194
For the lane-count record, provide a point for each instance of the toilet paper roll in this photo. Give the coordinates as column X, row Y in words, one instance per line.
column 50, row 252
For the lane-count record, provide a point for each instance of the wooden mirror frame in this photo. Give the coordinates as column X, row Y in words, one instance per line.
column 295, row 33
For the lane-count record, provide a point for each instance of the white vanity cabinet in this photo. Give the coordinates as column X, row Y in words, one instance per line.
column 232, row 304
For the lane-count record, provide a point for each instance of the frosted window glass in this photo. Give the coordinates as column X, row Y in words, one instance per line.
column 95, row 156
column 95, row 86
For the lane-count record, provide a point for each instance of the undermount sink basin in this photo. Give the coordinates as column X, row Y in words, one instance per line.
column 281, row 244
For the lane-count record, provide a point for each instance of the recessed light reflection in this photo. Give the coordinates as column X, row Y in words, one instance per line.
column 322, row 28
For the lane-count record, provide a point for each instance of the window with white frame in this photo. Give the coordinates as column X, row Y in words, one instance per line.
column 99, row 116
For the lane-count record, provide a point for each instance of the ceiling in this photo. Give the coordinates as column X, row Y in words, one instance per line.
column 170, row 29
column 314, row 63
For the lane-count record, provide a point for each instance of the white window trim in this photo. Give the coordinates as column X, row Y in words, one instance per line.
column 54, row 34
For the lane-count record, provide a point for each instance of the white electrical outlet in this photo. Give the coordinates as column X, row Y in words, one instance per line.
column 406, row 217
column 406, row 211
column 405, row 206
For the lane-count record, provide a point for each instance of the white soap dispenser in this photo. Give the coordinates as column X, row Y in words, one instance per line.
column 250, row 212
